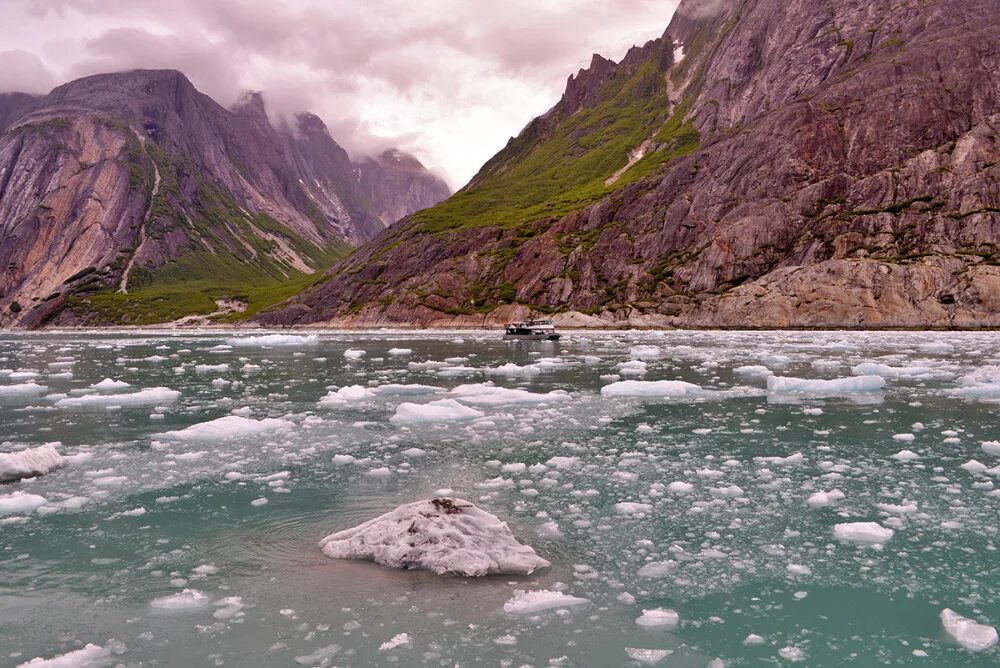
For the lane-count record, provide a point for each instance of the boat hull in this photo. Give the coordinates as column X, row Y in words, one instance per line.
column 534, row 336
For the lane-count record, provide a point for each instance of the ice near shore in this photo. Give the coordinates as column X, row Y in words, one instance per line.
column 441, row 535
column 29, row 463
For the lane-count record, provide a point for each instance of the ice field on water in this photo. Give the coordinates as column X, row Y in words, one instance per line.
column 777, row 498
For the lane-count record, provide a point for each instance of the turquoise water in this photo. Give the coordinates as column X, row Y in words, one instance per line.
column 151, row 516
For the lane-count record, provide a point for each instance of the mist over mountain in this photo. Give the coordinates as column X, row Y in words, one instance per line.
column 125, row 182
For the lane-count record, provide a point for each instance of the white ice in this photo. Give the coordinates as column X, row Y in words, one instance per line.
column 971, row 635
column 30, row 462
column 230, row 426
column 443, row 410
column 529, row 602
column 439, row 535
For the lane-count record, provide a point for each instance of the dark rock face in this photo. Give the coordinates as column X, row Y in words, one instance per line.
column 128, row 179
column 848, row 174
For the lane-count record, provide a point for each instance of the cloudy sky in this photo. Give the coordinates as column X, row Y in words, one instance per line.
column 449, row 80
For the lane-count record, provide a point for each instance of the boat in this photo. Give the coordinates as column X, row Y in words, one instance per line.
column 531, row 330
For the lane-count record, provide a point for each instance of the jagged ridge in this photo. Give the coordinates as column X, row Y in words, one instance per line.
column 137, row 183
column 845, row 175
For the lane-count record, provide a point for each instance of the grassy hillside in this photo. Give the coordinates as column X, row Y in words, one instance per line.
column 539, row 175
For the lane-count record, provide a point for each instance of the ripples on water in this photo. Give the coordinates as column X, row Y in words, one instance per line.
column 741, row 553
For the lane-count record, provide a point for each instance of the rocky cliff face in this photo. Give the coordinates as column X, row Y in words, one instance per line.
column 130, row 182
column 764, row 163
column 397, row 184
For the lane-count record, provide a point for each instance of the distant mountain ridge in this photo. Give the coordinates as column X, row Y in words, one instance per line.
column 765, row 163
column 132, row 197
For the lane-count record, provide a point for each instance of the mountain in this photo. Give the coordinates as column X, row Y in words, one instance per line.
column 764, row 163
column 132, row 197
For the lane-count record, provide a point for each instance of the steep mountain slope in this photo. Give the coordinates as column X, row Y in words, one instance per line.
column 397, row 184
column 764, row 163
column 132, row 197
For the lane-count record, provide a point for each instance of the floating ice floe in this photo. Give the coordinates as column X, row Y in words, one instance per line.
column 862, row 532
column 442, row 410
column 529, row 602
column 413, row 389
column 823, row 499
column 351, row 354
column 967, row 633
column 399, row 352
column 633, row 368
column 29, row 463
column 647, row 656
column 658, row 617
column 345, row 395
column 188, row 599
column 153, row 396
column 273, row 341
column 88, row 656
column 20, row 502
column 753, row 370
column 441, row 535
column 110, row 385
column 645, row 352
column 824, row 388
column 230, row 426
column 487, row 394
column 650, row 388
column 897, row 372
column 28, row 389
column 632, row 508
column 511, row 369
column 397, row 641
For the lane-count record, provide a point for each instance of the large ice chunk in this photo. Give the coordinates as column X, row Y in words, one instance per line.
column 443, row 410
column 862, row 532
column 20, row 502
column 88, row 656
column 650, row 388
column 441, row 535
column 230, row 426
column 529, row 602
column 967, row 633
column 824, row 388
column 153, row 396
column 487, row 394
column 29, row 463
column 273, row 341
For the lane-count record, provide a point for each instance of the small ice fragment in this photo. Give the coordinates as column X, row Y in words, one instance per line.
column 398, row 640
column 528, row 602
column 657, row 617
column 187, row 599
column 862, row 532
column 793, row 654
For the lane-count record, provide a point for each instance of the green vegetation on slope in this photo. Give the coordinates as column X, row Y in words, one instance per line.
column 537, row 177
column 228, row 253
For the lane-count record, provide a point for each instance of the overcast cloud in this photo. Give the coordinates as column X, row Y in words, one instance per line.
column 449, row 80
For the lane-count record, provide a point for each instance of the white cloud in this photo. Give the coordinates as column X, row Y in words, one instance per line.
column 449, row 80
